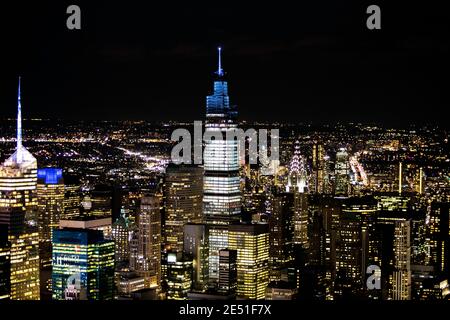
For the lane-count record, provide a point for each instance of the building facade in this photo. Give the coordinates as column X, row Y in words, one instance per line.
column 82, row 265
column 221, row 188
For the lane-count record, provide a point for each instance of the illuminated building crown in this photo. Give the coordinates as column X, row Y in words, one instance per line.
column 21, row 156
column 297, row 171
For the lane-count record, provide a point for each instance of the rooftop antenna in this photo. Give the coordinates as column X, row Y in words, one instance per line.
column 19, row 125
column 220, row 70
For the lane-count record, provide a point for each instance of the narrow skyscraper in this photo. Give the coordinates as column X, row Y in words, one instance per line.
column 145, row 246
column 50, row 193
column 18, row 206
column 183, row 193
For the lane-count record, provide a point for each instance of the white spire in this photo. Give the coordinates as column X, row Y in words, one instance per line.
column 19, row 125
column 21, row 156
column 219, row 69
column 297, row 171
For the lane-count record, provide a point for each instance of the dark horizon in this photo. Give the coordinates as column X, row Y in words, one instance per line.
column 291, row 63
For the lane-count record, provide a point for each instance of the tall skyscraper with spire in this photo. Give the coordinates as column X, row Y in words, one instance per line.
column 297, row 184
column 221, row 190
column 297, row 177
column 18, row 205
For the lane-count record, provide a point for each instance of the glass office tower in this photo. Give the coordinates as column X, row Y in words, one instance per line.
column 83, row 265
column 221, row 189
column 251, row 241
column 50, row 193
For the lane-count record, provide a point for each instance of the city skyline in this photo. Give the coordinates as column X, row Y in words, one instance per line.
column 350, row 205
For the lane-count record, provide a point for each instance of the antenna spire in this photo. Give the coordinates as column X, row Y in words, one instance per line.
column 19, row 124
column 220, row 70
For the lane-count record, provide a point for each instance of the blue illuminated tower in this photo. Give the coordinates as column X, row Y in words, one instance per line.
column 222, row 196
column 50, row 194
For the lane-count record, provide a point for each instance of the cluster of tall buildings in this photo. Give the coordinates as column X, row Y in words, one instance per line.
column 316, row 227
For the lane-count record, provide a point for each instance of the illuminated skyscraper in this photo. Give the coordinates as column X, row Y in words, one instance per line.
column 251, row 241
column 318, row 167
column 183, row 190
column 297, row 184
column 227, row 271
column 281, row 226
column 353, row 247
column 121, row 234
column 325, row 214
column 221, row 188
column 5, row 263
column 145, row 248
column 395, row 236
column 179, row 276
column 72, row 197
column 401, row 282
column 342, row 180
column 101, row 199
column 439, row 238
column 297, row 177
column 301, row 219
column 196, row 246
column 50, row 192
column 83, row 265
column 18, row 206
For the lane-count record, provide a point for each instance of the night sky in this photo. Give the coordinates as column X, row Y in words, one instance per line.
column 296, row 61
